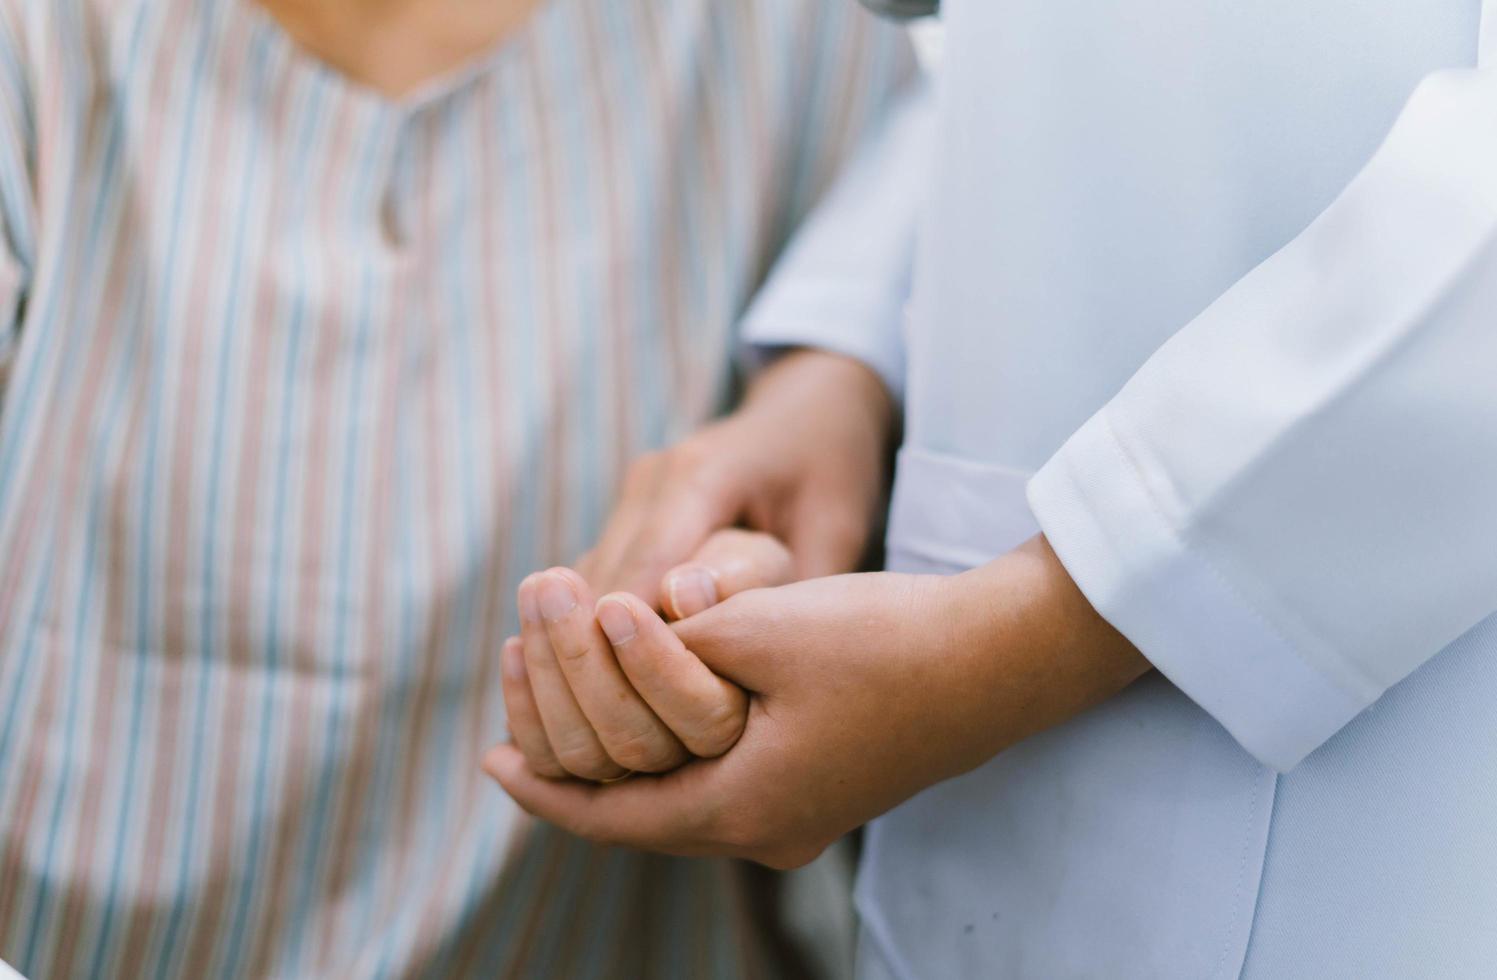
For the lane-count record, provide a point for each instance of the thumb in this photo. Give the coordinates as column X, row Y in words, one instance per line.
column 742, row 640
column 729, row 562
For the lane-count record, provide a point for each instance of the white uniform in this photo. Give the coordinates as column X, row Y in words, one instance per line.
column 1216, row 282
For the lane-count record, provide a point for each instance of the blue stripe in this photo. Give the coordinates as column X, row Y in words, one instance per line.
column 15, row 184
column 581, row 204
column 108, row 170
column 208, row 647
column 332, row 742
column 145, row 578
column 550, row 339
column 463, row 643
column 15, row 415
column 409, row 654
column 276, row 566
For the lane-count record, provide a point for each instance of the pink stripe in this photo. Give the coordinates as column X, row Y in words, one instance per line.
column 241, row 606
column 13, row 863
column 440, row 566
column 55, row 151
column 37, row 494
column 102, row 745
column 482, row 693
column 177, row 611
column 622, row 323
column 667, row 95
column 560, row 502
column 353, row 801
column 76, row 421
column 296, row 786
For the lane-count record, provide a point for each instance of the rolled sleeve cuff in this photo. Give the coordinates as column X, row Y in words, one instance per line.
column 851, row 319
column 1178, row 608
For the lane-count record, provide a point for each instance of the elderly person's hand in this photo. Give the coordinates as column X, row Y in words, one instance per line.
column 576, row 709
column 865, row 690
column 804, row 459
column 803, row 462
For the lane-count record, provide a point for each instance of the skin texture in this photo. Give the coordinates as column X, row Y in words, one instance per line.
column 865, row 689
column 738, row 506
column 804, row 460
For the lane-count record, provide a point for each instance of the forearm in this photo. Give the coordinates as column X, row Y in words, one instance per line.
column 1035, row 645
column 810, row 386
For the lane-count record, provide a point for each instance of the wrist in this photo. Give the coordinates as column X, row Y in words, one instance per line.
column 807, row 380
column 1034, row 652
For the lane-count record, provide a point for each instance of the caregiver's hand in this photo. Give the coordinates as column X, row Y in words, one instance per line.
column 573, row 710
column 866, row 689
column 803, row 459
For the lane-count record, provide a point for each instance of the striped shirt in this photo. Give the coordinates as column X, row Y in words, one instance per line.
column 295, row 383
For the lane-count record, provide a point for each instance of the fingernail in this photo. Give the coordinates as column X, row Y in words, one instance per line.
column 529, row 612
column 617, row 620
column 555, row 598
column 514, row 660
column 692, row 590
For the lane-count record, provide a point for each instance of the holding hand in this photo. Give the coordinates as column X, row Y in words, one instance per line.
column 802, row 462
column 805, row 460
column 865, row 690
column 597, row 688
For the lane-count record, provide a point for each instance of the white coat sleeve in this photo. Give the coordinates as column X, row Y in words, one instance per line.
column 1293, row 504
column 843, row 281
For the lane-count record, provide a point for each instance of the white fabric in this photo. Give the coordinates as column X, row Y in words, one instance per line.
column 1290, row 506
column 1488, row 31
column 848, row 269
column 1223, row 276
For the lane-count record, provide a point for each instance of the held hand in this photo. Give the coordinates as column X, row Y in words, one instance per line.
column 804, row 460
column 866, row 689
column 574, row 711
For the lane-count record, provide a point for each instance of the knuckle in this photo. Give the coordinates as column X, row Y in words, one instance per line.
column 640, row 474
column 646, row 751
column 720, row 729
column 693, row 466
column 571, row 651
column 683, row 456
column 538, row 756
column 585, row 761
column 548, row 768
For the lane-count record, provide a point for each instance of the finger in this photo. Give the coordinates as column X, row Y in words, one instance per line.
column 612, row 561
column 666, row 537
column 745, row 641
column 691, row 498
column 731, row 561
column 524, row 720
column 707, row 713
column 572, row 739
column 600, row 563
column 658, row 813
column 826, row 538
column 628, row 730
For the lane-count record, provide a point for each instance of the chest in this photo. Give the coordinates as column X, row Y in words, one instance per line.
column 1107, row 170
column 274, row 321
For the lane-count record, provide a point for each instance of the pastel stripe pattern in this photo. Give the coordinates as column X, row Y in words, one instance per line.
column 296, row 382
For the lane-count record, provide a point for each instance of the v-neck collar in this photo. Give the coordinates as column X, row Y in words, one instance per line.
column 433, row 90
